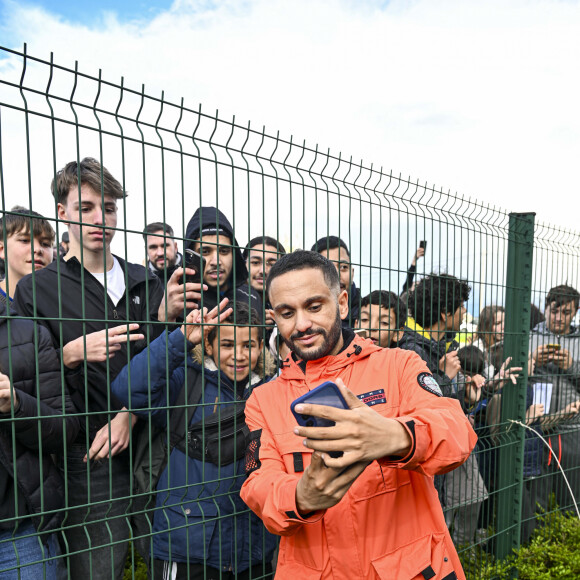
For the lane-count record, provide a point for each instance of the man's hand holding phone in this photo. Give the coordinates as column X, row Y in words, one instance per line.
column 360, row 432
column 553, row 353
column 177, row 292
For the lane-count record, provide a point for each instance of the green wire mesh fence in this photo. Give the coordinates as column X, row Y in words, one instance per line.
column 435, row 251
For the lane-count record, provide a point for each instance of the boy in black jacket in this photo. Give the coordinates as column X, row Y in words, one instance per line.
column 90, row 301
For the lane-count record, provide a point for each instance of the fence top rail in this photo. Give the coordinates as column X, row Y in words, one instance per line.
column 228, row 142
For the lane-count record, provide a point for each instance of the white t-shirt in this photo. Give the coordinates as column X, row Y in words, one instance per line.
column 115, row 281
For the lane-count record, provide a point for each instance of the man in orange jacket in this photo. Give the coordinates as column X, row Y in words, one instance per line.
column 373, row 512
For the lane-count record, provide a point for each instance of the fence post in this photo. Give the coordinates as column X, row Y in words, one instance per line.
column 516, row 339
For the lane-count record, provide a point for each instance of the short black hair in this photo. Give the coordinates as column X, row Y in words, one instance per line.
column 330, row 243
column 300, row 260
column 155, row 227
column 472, row 360
column 388, row 300
column 562, row 295
column 435, row 295
column 242, row 315
column 263, row 241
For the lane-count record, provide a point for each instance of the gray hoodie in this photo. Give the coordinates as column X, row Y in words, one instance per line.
column 566, row 383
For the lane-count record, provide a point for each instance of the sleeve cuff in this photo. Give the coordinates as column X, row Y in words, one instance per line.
column 289, row 508
column 394, row 461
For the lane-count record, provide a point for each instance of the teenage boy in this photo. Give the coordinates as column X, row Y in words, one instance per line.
column 372, row 511
column 210, row 234
column 382, row 315
column 88, row 301
column 201, row 528
column 555, row 347
column 438, row 306
column 260, row 255
column 336, row 250
column 21, row 252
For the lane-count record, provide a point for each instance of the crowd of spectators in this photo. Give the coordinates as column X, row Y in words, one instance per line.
column 94, row 350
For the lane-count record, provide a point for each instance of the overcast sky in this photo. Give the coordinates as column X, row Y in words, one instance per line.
column 481, row 98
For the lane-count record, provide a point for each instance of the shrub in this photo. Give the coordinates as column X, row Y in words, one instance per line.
column 553, row 553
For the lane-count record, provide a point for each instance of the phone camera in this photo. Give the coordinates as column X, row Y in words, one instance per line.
column 310, row 423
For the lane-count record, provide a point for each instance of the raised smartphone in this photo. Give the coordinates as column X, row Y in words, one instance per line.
column 325, row 394
column 196, row 262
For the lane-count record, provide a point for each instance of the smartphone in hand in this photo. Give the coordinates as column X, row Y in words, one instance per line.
column 196, row 262
column 325, row 394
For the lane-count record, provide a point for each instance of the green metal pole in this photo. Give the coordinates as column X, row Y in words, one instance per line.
column 513, row 407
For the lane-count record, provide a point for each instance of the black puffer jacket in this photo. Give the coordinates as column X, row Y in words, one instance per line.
column 211, row 219
column 29, row 359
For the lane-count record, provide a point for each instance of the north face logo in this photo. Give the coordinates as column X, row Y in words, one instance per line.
column 136, row 300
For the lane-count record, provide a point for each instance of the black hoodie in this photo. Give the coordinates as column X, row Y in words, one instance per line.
column 207, row 221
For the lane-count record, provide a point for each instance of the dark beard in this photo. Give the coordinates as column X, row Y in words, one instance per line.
column 330, row 340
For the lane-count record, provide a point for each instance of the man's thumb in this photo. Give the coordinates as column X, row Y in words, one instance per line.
column 351, row 399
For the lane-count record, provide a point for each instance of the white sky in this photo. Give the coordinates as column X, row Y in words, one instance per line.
column 478, row 98
column 481, row 98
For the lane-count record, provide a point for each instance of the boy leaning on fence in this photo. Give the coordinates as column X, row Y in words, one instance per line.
column 88, row 300
column 207, row 370
column 22, row 252
column 555, row 348
column 32, row 405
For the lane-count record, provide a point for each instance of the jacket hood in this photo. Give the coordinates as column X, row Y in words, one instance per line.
column 426, row 342
column 208, row 220
column 358, row 349
column 542, row 328
column 170, row 269
column 266, row 366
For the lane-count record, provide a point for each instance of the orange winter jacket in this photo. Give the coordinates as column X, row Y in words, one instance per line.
column 389, row 525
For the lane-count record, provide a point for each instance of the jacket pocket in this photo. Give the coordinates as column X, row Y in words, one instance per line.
column 426, row 557
column 296, row 457
column 186, row 528
column 294, row 570
column 377, row 480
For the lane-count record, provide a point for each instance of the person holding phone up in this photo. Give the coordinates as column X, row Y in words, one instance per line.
column 555, row 348
column 371, row 511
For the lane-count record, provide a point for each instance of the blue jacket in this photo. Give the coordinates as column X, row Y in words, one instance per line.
column 199, row 516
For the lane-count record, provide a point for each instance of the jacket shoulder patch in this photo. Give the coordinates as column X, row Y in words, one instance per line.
column 427, row 381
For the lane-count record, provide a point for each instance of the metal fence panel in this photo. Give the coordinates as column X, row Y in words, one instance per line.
column 172, row 159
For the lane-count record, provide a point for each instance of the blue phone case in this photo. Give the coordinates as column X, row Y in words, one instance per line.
column 325, row 394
